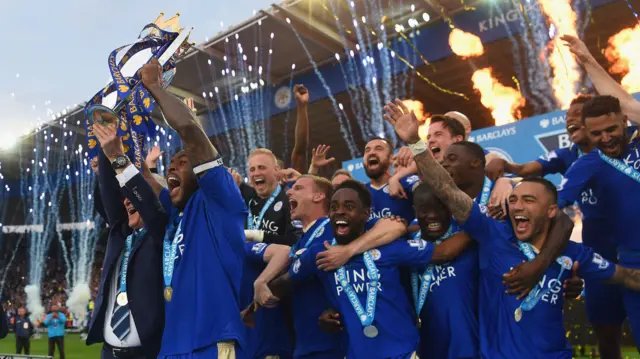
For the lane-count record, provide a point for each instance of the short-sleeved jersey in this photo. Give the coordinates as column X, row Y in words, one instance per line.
column 394, row 316
column 540, row 333
column 269, row 336
column 450, row 314
column 613, row 194
column 559, row 161
column 309, row 299
column 210, row 240
column 382, row 205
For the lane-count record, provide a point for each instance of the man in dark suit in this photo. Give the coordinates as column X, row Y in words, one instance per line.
column 129, row 309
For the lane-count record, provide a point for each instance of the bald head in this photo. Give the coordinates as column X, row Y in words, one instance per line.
column 463, row 119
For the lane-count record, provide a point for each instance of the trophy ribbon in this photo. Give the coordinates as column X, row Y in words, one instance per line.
column 132, row 112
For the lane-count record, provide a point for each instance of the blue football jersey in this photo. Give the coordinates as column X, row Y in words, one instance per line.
column 382, row 205
column 394, row 317
column 210, row 240
column 270, row 335
column 540, row 333
column 310, row 301
column 614, row 196
column 450, row 314
column 559, row 161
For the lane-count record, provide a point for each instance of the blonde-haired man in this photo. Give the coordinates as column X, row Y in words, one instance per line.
column 269, row 219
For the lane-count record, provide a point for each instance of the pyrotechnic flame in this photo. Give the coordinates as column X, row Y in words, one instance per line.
column 624, row 57
column 418, row 108
column 465, row 44
column 504, row 102
column 566, row 71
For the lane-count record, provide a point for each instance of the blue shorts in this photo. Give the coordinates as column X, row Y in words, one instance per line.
column 215, row 351
column 604, row 303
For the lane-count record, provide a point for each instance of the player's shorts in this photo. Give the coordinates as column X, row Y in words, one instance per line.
column 222, row 350
column 604, row 303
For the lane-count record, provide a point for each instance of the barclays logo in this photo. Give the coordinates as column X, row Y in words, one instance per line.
column 350, row 167
column 544, row 123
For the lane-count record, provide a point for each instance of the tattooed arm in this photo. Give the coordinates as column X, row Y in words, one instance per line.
column 627, row 277
column 406, row 126
column 458, row 202
column 196, row 143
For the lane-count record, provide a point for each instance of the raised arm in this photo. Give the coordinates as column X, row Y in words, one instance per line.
column 301, row 145
column 132, row 183
column 604, row 84
column 385, row 231
column 498, row 167
column 110, row 197
column 196, row 143
column 406, row 125
column 319, row 159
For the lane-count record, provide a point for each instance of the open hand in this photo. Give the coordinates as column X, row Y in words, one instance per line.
column 319, row 156
column 577, row 48
column 110, row 143
column 152, row 156
column 404, row 121
column 333, row 258
column 523, row 277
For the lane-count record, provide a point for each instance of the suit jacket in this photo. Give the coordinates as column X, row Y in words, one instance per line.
column 144, row 274
column 4, row 323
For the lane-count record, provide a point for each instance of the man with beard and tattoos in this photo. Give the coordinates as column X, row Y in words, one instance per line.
column 609, row 174
column 604, row 304
column 377, row 165
column 510, row 328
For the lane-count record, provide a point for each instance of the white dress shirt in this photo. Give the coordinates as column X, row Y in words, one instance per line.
column 132, row 339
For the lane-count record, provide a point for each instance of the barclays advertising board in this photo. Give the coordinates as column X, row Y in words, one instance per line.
column 519, row 142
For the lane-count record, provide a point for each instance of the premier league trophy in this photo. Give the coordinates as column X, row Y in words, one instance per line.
column 131, row 110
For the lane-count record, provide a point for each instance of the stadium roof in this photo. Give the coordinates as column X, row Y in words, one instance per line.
column 323, row 38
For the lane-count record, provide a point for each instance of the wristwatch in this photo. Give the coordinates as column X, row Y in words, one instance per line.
column 120, row 162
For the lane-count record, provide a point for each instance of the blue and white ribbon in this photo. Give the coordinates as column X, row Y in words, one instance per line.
column 366, row 316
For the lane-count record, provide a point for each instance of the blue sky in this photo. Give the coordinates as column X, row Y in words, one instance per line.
column 54, row 53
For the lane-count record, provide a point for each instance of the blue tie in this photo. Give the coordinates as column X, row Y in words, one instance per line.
column 120, row 319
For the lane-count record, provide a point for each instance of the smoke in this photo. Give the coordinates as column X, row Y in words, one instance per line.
column 34, row 306
column 79, row 298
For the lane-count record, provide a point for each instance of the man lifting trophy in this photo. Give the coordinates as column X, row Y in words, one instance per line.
column 124, row 102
